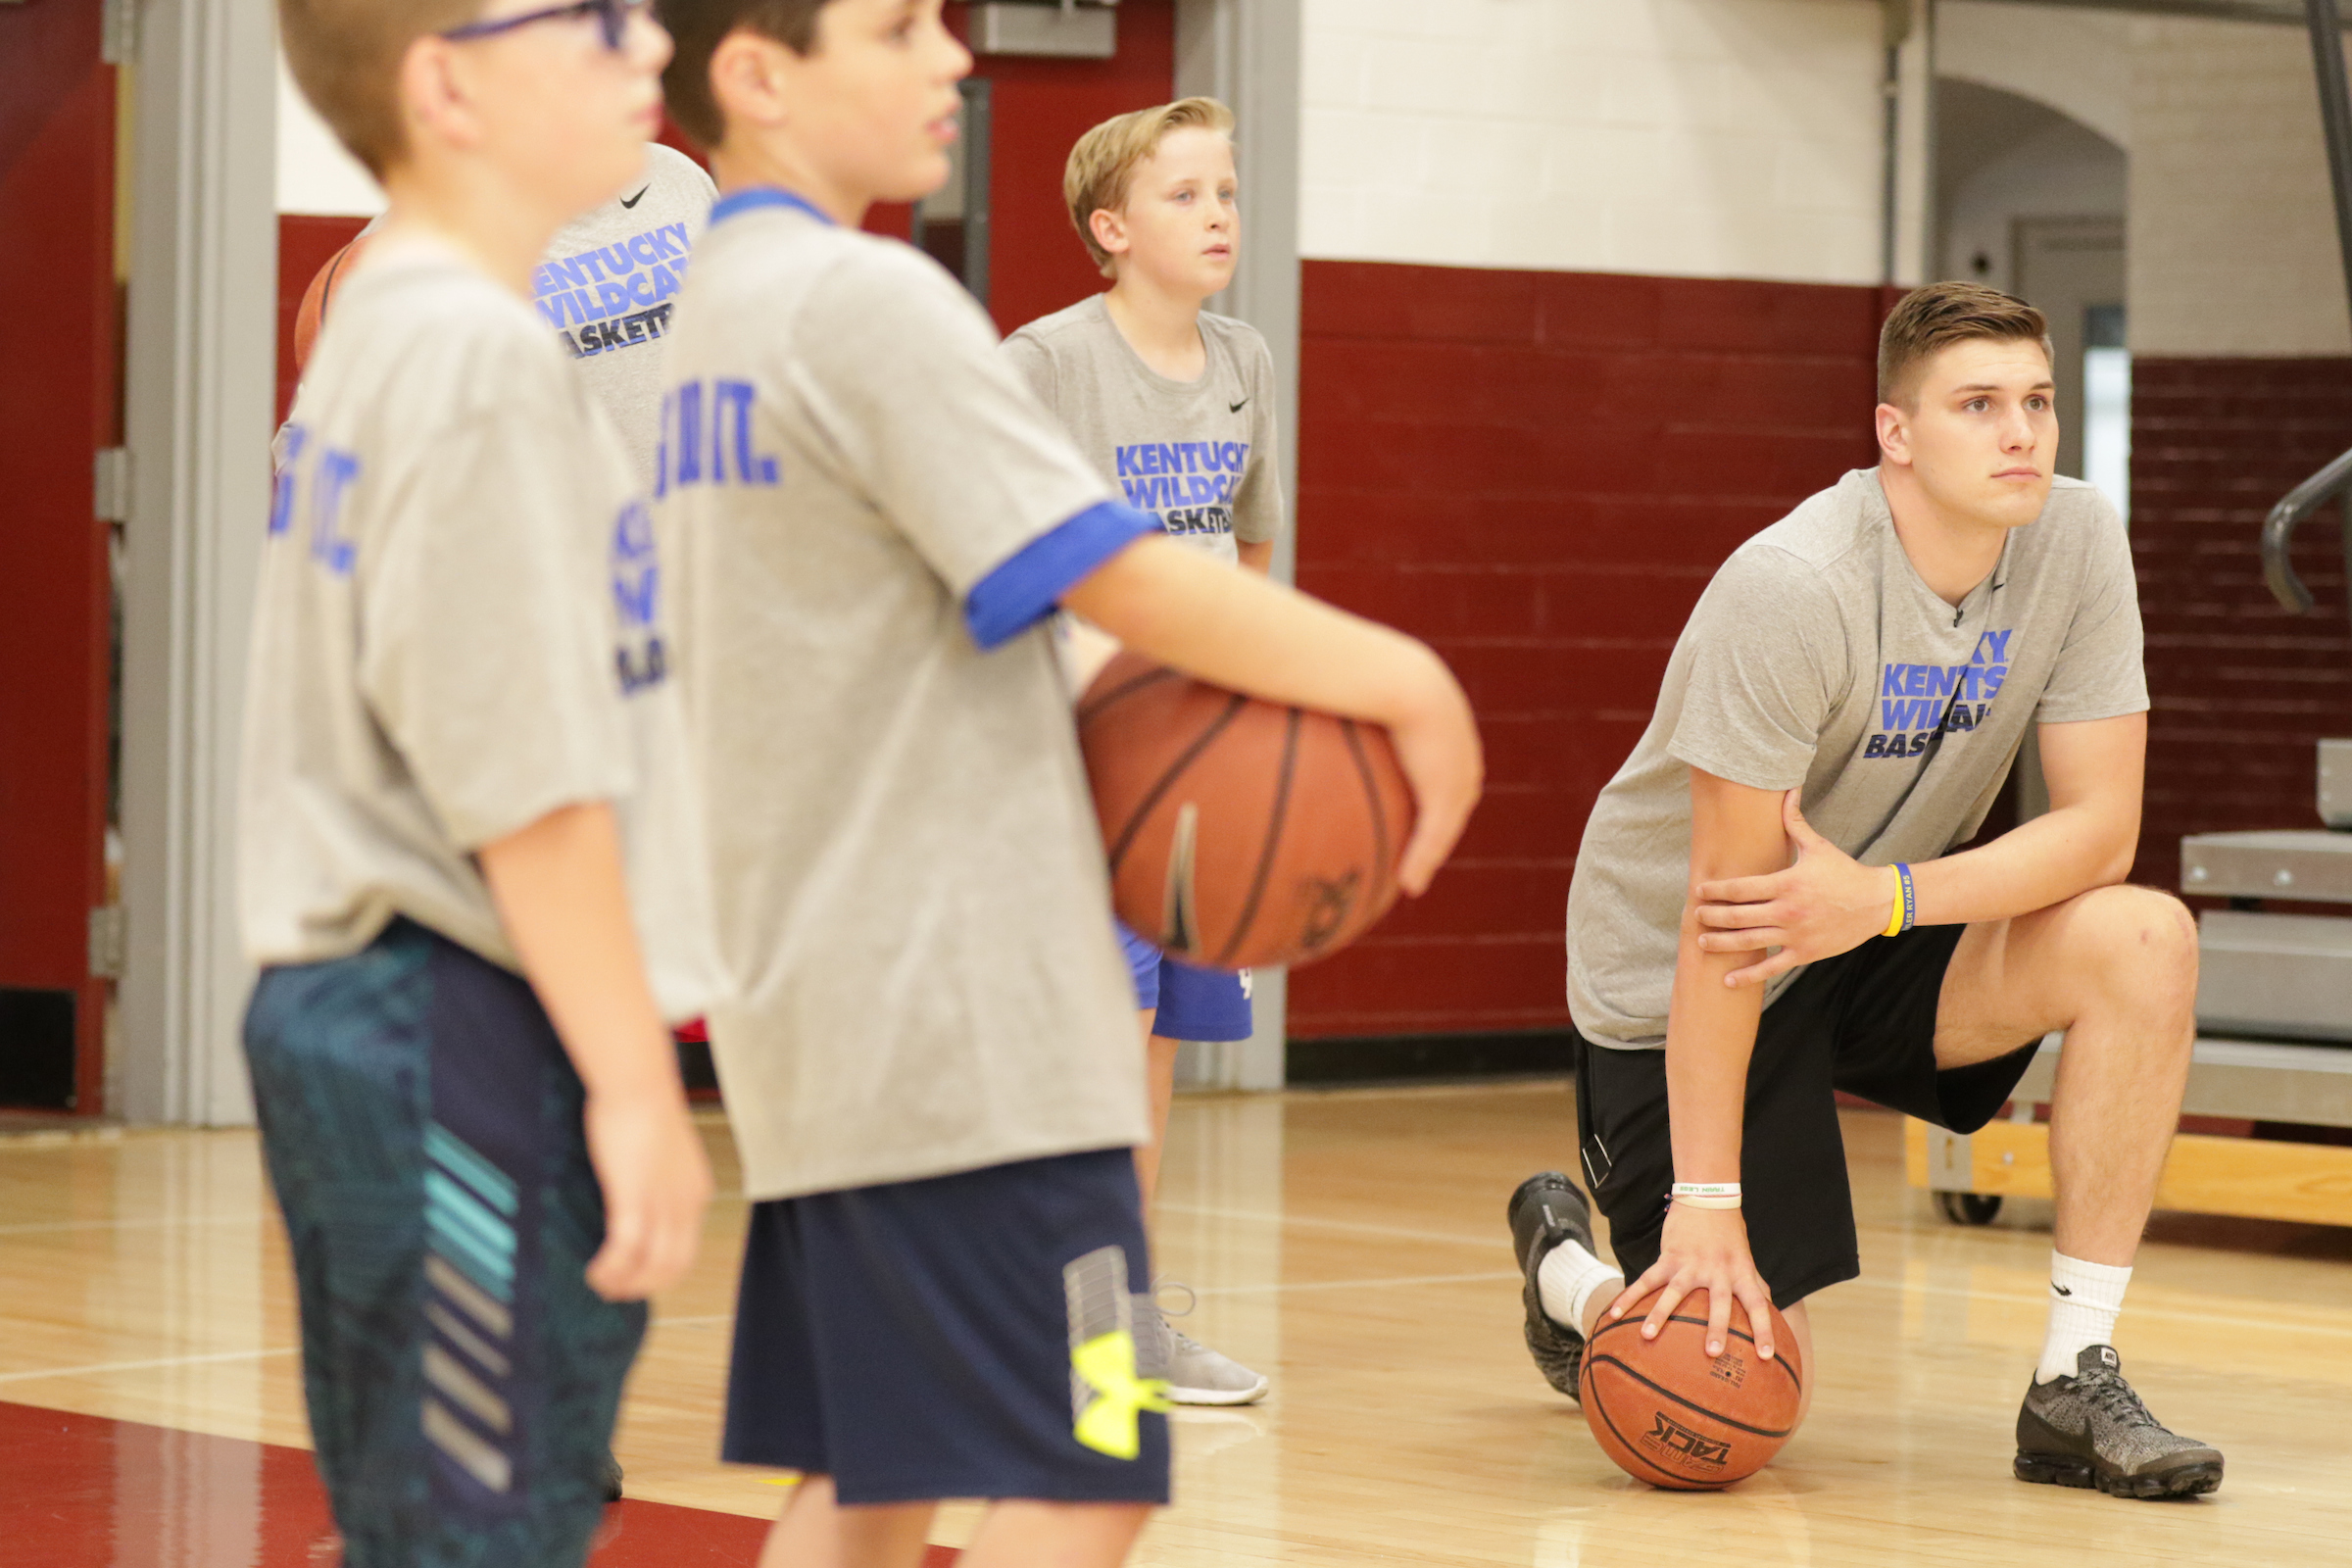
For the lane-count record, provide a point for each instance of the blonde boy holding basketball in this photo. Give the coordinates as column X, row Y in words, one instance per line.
column 941, row 1270
column 1174, row 405
column 469, row 867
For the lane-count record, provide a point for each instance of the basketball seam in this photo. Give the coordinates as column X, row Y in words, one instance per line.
column 1599, row 1407
column 1274, row 826
column 1150, row 677
column 1350, row 732
column 334, row 270
column 1780, row 1361
column 1666, row 1392
column 1167, row 780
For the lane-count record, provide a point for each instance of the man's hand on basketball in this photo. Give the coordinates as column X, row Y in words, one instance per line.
column 656, row 1179
column 1826, row 903
column 1704, row 1250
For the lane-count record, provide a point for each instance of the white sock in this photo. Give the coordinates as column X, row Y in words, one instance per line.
column 1566, row 1280
column 2085, row 1298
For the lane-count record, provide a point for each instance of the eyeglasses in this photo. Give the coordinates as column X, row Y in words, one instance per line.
column 612, row 18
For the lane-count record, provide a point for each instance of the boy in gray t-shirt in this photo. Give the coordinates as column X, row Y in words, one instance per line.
column 608, row 284
column 1849, row 695
column 470, row 870
column 923, row 1062
column 1175, row 406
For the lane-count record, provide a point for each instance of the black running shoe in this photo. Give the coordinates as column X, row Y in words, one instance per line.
column 2090, row 1430
column 611, row 1478
column 1546, row 1212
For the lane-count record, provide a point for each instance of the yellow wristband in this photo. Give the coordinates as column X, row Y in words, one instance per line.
column 1906, row 903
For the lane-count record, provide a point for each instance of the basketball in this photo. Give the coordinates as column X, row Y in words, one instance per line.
column 1240, row 832
column 315, row 300
column 1669, row 1415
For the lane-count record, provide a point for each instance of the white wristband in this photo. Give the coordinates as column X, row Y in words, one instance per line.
column 1707, row 1195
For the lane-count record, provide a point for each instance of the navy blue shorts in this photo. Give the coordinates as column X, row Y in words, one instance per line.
column 422, row 1129
column 1188, row 1002
column 967, row 1336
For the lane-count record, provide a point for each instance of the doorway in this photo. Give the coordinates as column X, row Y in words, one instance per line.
column 2072, row 270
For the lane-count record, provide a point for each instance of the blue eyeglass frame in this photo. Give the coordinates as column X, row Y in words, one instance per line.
column 611, row 16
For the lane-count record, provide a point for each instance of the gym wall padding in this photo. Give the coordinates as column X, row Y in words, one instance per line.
column 1537, row 472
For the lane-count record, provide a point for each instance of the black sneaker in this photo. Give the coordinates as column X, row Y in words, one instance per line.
column 1546, row 1212
column 611, row 1478
column 2090, row 1430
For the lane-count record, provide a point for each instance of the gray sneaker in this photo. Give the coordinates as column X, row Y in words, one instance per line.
column 2090, row 1430
column 1196, row 1374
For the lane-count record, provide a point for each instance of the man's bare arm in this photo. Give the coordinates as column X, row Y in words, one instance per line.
column 1828, row 904
column 2087, row 838
column 1710, row 1034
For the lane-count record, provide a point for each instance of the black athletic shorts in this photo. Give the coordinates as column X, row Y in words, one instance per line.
column 1864, row 1022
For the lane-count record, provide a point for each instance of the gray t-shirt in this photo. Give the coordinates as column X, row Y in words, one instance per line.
column 607, row 286
column 1200, row 456
column 459, row 627
column 1818, row 658
column 911, row 886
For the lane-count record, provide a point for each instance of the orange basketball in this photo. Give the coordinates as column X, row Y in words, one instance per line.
column 1670, row 1415
column 1240, row 832
column 316, row 299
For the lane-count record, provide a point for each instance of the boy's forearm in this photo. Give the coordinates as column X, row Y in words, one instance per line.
column 1258, row 555
column 564, row 901
column 1237, row 630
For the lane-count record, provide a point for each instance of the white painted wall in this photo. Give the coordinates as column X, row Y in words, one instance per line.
column 1696, row 137
column 2065, row 170
column 2231, row 229
column 314, row 175
column 2078, row 62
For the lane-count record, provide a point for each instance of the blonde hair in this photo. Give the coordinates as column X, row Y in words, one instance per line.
column 345, row 56
column 1101, row 168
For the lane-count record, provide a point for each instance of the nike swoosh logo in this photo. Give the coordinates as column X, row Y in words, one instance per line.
column 1238, row 407
column 2060, row 1289
column 631, row 201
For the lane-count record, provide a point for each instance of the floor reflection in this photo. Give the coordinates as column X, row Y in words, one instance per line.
column 83, row 1491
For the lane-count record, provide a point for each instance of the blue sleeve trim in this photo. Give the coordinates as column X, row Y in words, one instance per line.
column 756, row 196
column 1025, row 587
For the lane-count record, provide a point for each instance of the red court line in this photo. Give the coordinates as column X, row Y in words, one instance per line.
column 83, row 1491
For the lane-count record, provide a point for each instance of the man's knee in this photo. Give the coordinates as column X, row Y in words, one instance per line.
column 2138, row 942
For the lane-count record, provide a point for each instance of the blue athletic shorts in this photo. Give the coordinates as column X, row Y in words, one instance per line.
column 967, row 1336
column 422, row 1129
column 1188, row 1002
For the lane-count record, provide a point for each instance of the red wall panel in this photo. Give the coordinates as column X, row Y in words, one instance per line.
column 59, row 404
column 2241, row 690
column 1538, row 472
column 305, row 244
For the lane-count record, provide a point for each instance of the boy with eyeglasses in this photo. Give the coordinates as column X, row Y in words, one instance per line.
column 472, row 869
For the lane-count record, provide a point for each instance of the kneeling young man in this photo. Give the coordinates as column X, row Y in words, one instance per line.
column 1842, row 711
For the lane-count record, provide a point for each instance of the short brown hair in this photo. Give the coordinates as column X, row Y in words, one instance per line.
column 345, row 56
column 697, row 27
column 1932, row 320
column 1101, row 168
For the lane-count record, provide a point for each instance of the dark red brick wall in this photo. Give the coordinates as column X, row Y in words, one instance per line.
column 1538, row 472
column 2241, row 689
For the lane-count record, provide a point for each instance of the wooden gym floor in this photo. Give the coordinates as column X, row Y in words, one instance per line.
column 1352, row 1243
